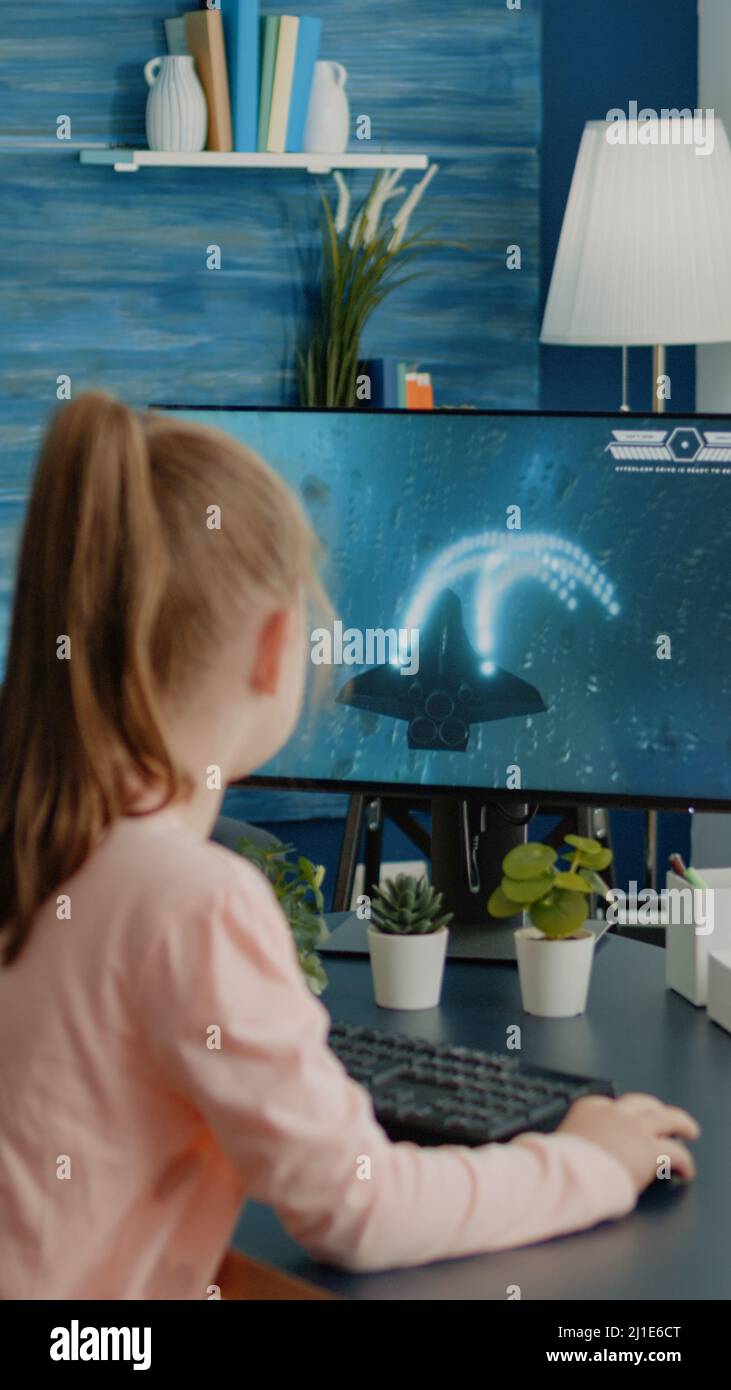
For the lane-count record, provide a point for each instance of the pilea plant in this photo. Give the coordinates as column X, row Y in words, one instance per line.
column 555, row 897
column 297, row 884
column 407, row 906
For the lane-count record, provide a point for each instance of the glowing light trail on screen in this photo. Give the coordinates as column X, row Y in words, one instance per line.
column 498, row 562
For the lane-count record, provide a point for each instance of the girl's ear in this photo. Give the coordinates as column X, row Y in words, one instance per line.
column 270, row 648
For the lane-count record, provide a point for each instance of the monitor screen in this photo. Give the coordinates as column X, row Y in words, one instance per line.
column 528, row 606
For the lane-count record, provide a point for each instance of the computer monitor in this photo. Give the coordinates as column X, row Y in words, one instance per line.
column 531, row 607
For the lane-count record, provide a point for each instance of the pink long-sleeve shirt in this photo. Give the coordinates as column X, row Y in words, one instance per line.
column 161, row 1059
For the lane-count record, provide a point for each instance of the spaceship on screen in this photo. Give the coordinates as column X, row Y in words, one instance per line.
column 452, row 690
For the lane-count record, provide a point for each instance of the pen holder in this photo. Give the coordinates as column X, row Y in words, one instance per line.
column 719, row 988
column 698, row 922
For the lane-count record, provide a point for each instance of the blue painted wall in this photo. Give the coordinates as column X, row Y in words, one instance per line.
column 598, row 54
column 103, row 276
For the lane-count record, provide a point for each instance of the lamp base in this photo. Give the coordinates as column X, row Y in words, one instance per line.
column 658, row 370
column 625, row 406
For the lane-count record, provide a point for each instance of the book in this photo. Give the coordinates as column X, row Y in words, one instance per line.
column 204, row 34
column 268, row 40
column 308, row 47
column 419, row 394
column 282, row 84
column 401, row 385
column 241, row 34
column 373, row 369
column 175, row 35
column 383, row 373
column 390, row 383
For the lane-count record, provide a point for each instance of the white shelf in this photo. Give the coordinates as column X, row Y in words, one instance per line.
column 128, row 161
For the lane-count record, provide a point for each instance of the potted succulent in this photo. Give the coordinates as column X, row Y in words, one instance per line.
column 407, row 942
column 554, row 954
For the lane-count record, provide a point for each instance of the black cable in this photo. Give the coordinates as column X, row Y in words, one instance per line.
column 518, row 820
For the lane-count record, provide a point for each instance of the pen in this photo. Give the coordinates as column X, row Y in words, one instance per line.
column 691, row 876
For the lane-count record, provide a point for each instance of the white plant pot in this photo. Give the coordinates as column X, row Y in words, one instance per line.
column 554, row 975
column 407, row 970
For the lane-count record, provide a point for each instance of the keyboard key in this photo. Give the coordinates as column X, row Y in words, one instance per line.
column 435, row 1094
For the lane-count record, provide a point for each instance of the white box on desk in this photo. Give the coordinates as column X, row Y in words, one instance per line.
column 689, row 940
column 719, row 988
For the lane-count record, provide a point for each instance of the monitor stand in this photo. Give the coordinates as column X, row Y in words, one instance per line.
column 469, row 841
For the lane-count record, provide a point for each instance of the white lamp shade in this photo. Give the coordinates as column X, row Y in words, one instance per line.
column 645, row 250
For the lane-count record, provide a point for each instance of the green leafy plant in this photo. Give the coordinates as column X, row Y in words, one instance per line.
column 555, row 898
column 361, row 263
column 297, row 884
column 407, row 906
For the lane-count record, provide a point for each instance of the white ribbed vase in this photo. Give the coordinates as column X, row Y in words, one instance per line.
column 177, row 113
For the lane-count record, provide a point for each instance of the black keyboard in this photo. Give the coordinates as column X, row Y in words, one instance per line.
column 431, row 1093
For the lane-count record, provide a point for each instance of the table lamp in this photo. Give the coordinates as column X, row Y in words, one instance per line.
column 644, row 257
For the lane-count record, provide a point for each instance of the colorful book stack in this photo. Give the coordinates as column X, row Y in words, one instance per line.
column 395, row 386
column 256, row 70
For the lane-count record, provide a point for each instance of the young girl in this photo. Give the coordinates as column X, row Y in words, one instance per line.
column 161, row 1057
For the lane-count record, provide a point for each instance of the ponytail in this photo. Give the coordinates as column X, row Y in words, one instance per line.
column 122, row 593
column 78, row 708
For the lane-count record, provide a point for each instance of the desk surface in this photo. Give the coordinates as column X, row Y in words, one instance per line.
column 677, row 1244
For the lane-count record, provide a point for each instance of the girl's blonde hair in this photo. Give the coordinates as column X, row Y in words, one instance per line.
column 121, row 571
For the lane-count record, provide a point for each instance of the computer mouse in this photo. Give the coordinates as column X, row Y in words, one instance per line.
column 674, row 1184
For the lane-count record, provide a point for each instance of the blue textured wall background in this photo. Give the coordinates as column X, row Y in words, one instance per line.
column 103, row 276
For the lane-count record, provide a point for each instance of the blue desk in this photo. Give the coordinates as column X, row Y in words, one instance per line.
column 677, row 1245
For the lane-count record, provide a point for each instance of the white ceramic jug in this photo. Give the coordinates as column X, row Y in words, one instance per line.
column 327, row 129
column 177, row 113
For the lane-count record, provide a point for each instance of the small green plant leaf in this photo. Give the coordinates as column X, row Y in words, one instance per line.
column 562, row 917
column 314, row 974
column 596, row 882
column 527, row 890
column 599, row 861
column 528, row 861
column 572, row 883
column 583, row 843
column 500, row 906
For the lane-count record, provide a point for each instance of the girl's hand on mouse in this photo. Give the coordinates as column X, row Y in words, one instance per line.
column 637, row 1130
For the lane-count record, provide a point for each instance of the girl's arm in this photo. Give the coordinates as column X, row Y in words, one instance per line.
column 303, row 1136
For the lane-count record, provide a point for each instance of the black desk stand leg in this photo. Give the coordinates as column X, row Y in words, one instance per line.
column 373, row 851
column 370, row 813
column 345, row 880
